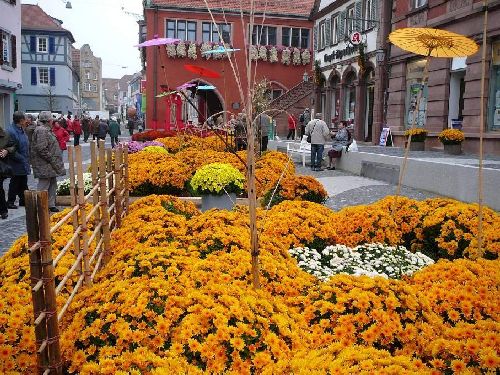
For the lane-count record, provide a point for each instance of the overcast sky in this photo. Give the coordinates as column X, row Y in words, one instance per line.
column 102, row 24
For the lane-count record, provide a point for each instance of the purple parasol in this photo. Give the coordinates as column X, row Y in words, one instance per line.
column 157, row 42
column 185, row 86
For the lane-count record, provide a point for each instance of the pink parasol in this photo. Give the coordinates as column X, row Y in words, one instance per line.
column 157, row 42
column 185, row 86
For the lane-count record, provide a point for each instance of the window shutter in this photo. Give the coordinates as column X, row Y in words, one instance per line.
column 341, row 25
column 13, row 50
column 328, row 32
column 33, row 76
column 358, row 14
column 32, row 43
column 316, row 38
column 374, row 12
column 52, row 45
column 52, row 76
column 1, row 48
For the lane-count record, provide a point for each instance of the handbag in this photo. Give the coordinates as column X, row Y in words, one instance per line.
column 5, row 170
column 309, row 136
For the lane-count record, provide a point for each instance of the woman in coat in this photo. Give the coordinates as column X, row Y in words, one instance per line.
column 61, row 134
column 340, row 140
column 6, row 149
column 114, row 132
column 77, row 131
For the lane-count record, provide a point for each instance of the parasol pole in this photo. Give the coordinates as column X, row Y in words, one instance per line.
column 481, row 131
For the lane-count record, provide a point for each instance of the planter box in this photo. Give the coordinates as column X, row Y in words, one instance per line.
column 453, row 149
column 63, row 200
column 223, row 202
column 417, row 146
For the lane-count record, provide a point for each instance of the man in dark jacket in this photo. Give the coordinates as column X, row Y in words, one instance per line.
column 94, row 127
column 46, row 158
column 103, row 130
column 131, row 126
column 7, row 149
column 86, row 128
column 19, row 161
column 114, row 132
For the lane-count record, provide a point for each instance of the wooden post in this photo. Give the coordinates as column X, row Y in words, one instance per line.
column 72, row 193
column 118, row 186
column 55, row 363
column 104, row 204
column 252, row 199
column 111, row 183
column 94, row 165
column 125, row 167
column 83, row 216
column 37, row 296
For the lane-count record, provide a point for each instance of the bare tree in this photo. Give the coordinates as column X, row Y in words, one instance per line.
column 50, row 101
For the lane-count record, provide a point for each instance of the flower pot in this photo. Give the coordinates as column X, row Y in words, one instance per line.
column 455, row 149
column 222, row 202
column 417, row 146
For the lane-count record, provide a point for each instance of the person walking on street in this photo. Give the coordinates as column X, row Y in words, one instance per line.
column 292, row 125
column 130, row 126
column 102, row 130
column 114, row 132
column 77, row 131
column 7, row 149
column 86, row 128
column 61, row 134
column 46, row 158
column 264, row 123
column 94, row 127
column 19, row 161
column 320, row 134
column 304, row 119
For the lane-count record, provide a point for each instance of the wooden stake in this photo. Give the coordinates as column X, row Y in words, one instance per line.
column 72, row 192
column 111, row 184
column 95, row 180
column 49, row 288
column 125, row 167
column 37, row 296
column 118, row 186
column 83, row 216
column 104, row 204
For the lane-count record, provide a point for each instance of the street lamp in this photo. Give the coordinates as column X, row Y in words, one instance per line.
column 68, row 4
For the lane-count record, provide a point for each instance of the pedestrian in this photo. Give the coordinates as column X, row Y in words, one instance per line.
column 292, row 125
column 140, row 125
column 94, row 127
column 77, row 131
column 69, row 124
column 304, row 119
column 86, row 128
column 341, row 139
column 62, row 122
column 7, row 149
column 61, row 134
column 130, row 126
column 240, row 132
column 46, row 158
column 19, row 161
column 114, row 132
column 102, row 130
column 30, row 127
column 264, row 122
column 319, row 132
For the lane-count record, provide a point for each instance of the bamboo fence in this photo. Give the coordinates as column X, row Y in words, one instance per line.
column 104, row 206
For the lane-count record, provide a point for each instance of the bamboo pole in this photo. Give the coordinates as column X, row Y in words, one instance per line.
column 126, row 175
column 111, row 183
column 480, row 187
column 95, row 181
column 37, row 296
column 104, row 204
column 72, row 193
column 83, row 215
column 55, row 363
column 118, row 186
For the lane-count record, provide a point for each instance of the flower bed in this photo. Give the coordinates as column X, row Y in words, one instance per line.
column 63, row 186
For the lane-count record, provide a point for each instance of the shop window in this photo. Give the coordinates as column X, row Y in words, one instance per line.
column 5, row 47
column 350, row 97
column 457, row 89
column 494, row 102
column 415, row 88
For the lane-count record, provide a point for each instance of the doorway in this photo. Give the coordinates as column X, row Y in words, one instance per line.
column 370, row 97
column 456, row 100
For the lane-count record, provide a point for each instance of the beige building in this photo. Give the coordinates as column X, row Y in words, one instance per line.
column 90, row 68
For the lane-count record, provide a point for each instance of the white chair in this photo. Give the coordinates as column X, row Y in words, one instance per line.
column 303, row 148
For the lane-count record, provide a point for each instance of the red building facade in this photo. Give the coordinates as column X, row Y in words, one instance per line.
column 280, row 45
column 454, row 85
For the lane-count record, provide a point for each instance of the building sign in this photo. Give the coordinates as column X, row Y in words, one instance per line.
column 143, row 85
column 341, row 53
column 355, row 38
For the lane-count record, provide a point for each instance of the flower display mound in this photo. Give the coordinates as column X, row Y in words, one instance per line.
column 360, row 310
column 296, row 187
column 215, row 327
column 134, row 146
column 269, row 168
column 17, row 333
column 375, row 259
column 196, row 159
column 462, row 290
column 151, row 135
column 217, row 179
column 183, row 142
column 337, row 359
column 300, row 223
column 155, row 149
column 157, row 173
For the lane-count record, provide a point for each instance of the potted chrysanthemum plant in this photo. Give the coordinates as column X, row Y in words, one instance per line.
column 418, row 136
column 218, row 184
column 452, row 141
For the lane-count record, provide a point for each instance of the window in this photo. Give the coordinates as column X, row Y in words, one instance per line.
column 181, row 29
column 87, row 74
column 93, row 87
column 86, row 86
column 350, row 21
column 335, row 29
column 95, row 76
column 43, row 76
column 264, row 35
column 322, row 35
column 5, row 47
column 418, row 3
column 295, row 37
column 43, row 44
column 210, row 32
column 369, row 14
